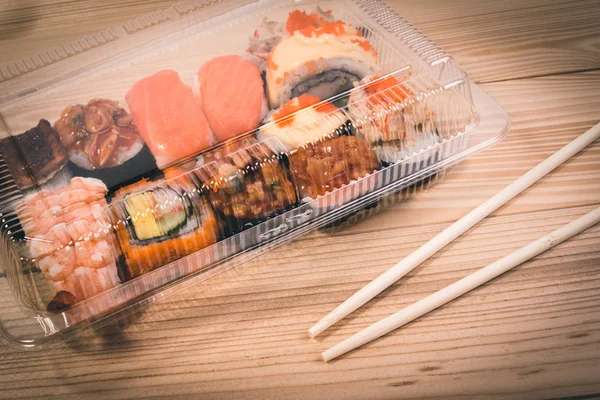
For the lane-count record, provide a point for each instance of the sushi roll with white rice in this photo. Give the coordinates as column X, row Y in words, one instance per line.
column 157, row 222
column 247, row 183
column 318, row 57
column 390, row 119
column 269, row 33
column 304, row 120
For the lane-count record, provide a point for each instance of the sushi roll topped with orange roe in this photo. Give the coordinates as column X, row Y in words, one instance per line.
column 391, row 119
column 319, row 56
column 303, row 120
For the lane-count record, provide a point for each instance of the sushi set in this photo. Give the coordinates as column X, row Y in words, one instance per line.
column 154, row 155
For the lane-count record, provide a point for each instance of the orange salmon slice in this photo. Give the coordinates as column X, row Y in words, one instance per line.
column 168, row 117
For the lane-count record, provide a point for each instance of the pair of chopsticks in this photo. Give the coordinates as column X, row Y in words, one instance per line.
column 471, row 281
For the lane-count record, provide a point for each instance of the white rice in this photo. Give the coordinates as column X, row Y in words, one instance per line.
column 284, row 89
column 81, row 159
column 61, row 179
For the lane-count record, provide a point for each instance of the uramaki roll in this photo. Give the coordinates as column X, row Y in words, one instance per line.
column 319, row 57
column 159, row 222
column 247, row 182
column 323, row 153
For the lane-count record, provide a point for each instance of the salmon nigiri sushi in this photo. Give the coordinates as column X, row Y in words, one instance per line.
column 168, row 117
column 232, row 95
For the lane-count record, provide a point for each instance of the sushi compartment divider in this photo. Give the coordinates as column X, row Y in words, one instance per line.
column 438, row 94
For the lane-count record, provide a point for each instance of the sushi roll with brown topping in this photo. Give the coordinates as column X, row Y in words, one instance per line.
column 323, row 153
column 323, row 166
column 103, row 142
column 247, row 182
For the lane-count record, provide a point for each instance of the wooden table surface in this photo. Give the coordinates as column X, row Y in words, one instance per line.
column 531, row 333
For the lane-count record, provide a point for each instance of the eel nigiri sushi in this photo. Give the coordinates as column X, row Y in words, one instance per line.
column 232, row 94
column 33, row 157
column 168, row 117
column 159, row 222
column 70, row 239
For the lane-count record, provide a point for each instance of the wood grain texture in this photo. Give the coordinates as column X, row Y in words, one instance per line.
column 532, row 333
column 509, row 39
column 29, row 27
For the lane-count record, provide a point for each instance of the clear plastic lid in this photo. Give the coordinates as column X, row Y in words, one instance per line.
column 135, row 161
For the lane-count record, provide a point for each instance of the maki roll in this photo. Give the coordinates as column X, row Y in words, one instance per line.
column 399, row 124
column 269, row 33
column 319, row 56
column 326, row 165
column 159, row 222
column 247, row 183
column 324, row 155
column 103, row 142
column 390, row 119
column 34, row 157
column 303, row 120
column 70, row 239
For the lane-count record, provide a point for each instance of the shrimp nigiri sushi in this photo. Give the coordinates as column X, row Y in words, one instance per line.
column 70, row 239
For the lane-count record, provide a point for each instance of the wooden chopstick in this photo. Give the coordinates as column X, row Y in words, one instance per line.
column 463, row 286
column 396, row 272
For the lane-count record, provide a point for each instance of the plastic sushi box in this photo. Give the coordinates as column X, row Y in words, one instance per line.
column 124, row 175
